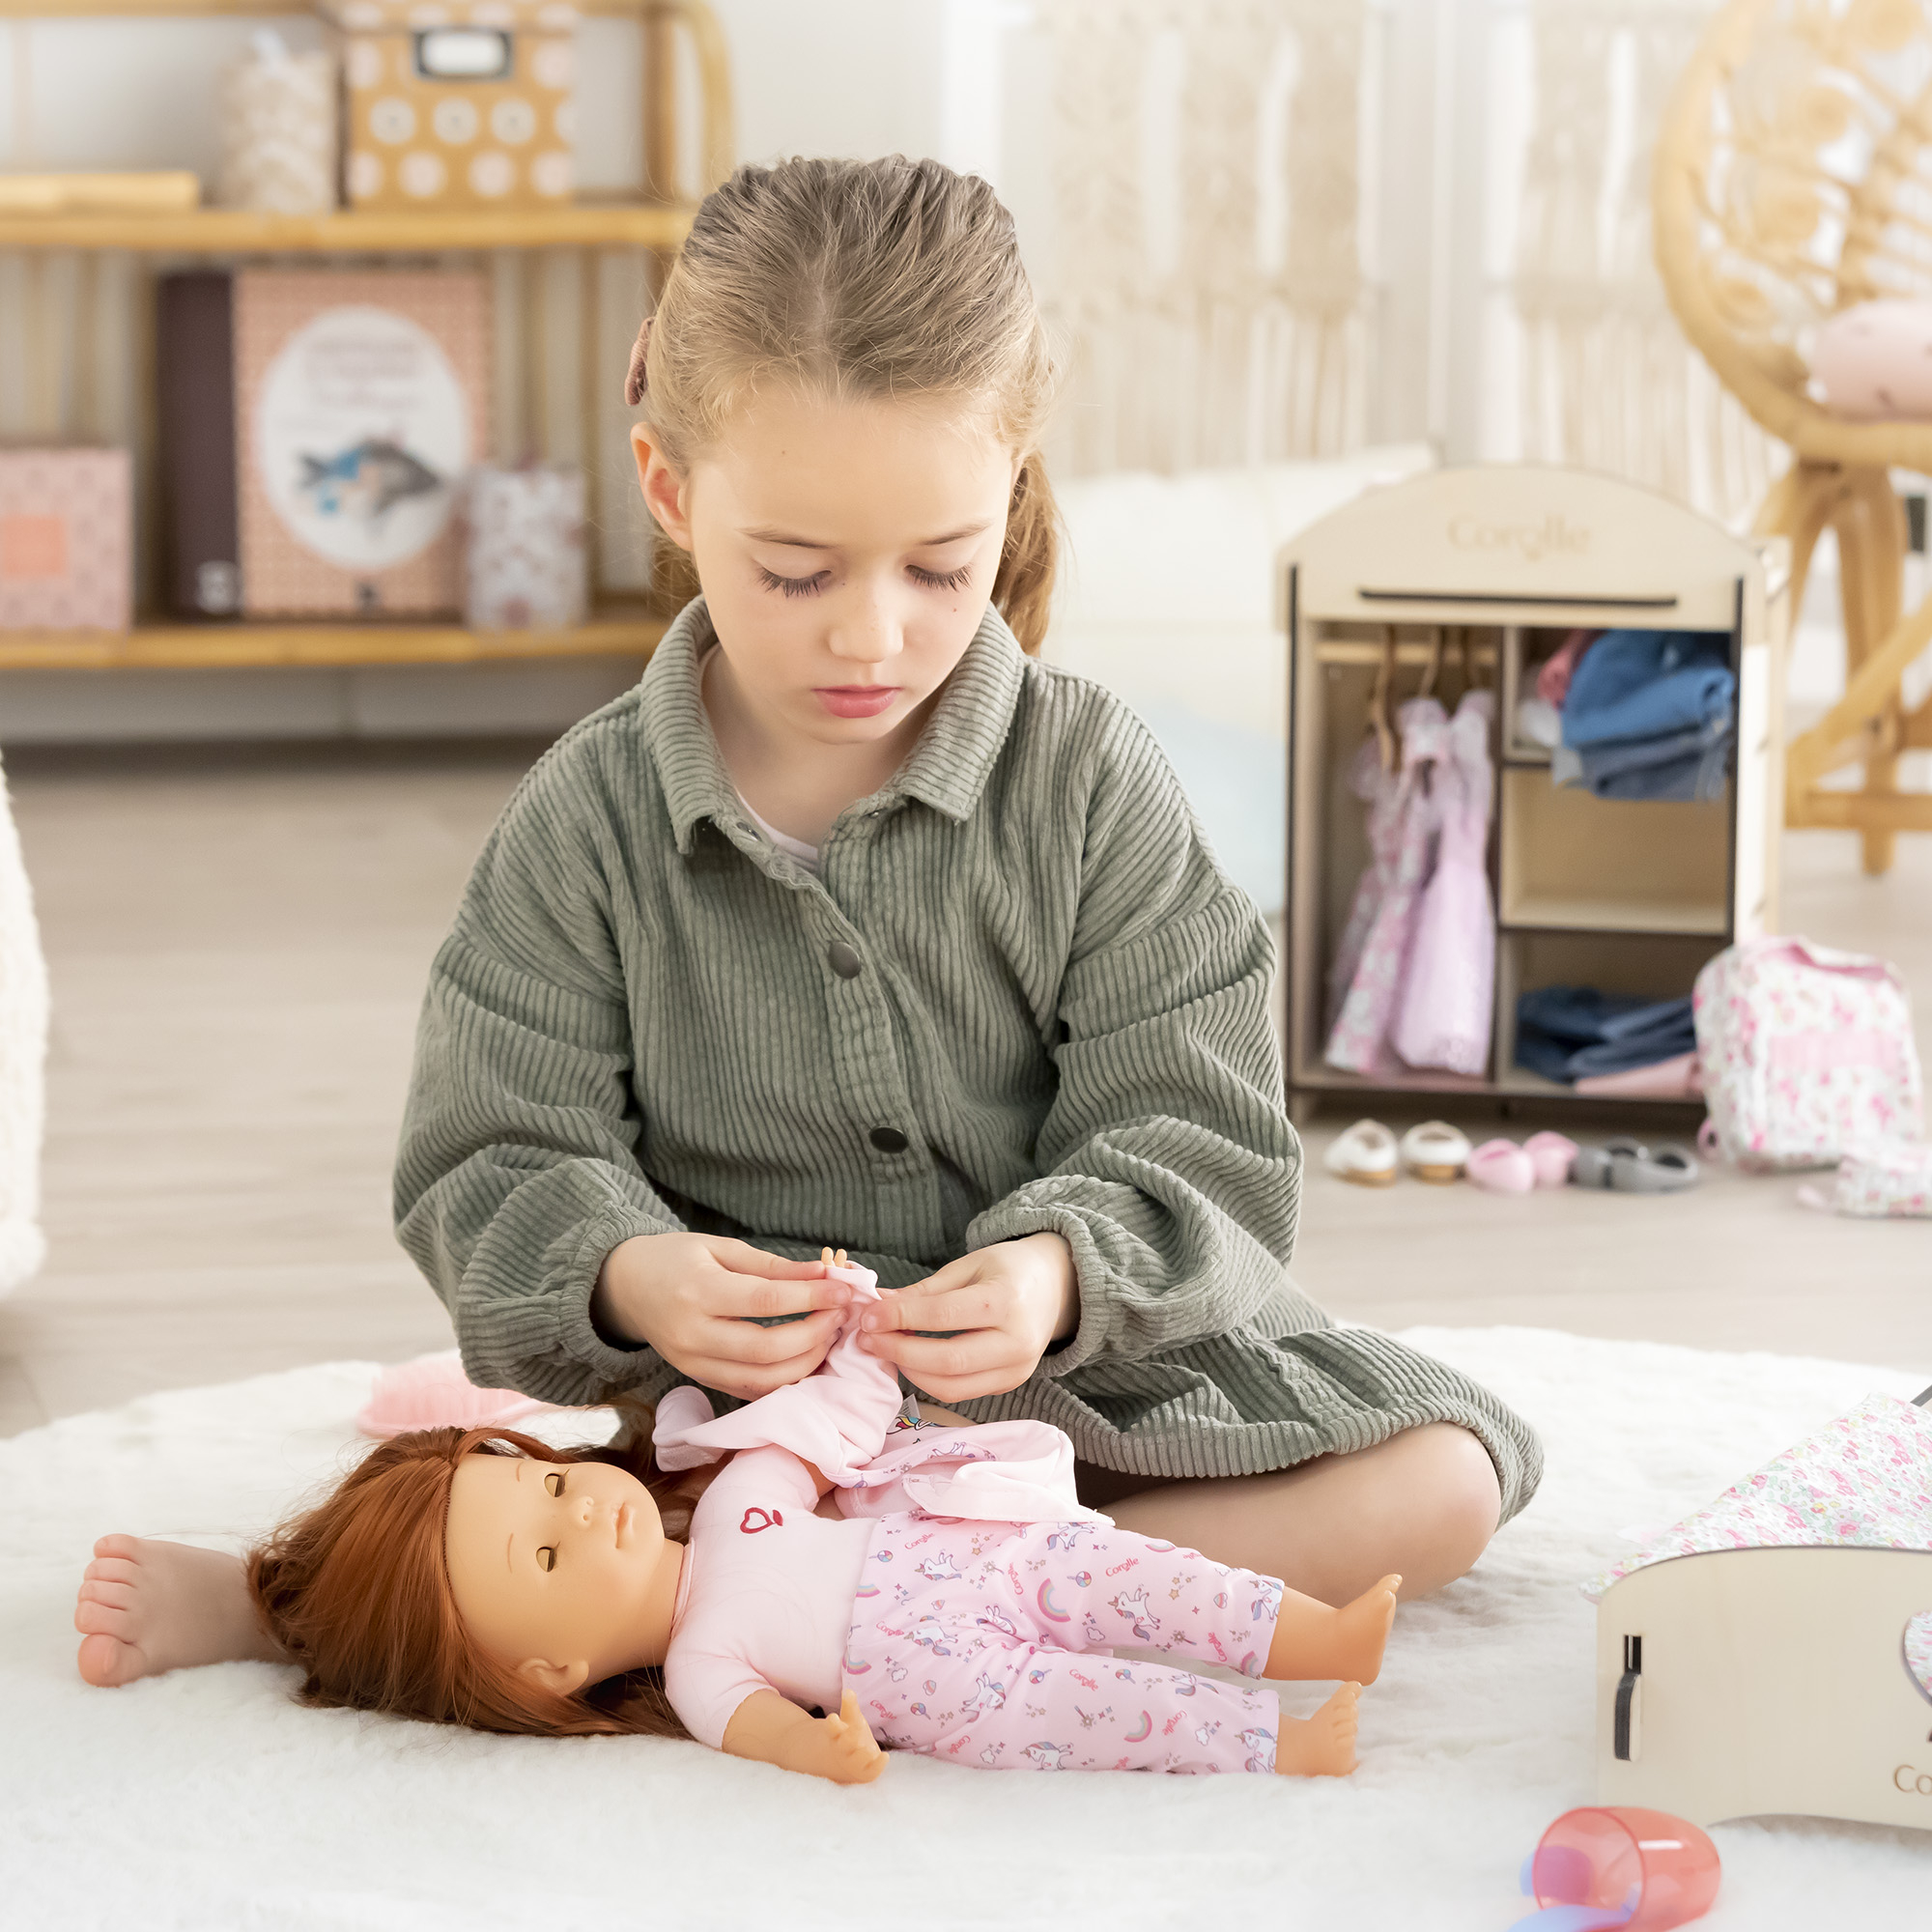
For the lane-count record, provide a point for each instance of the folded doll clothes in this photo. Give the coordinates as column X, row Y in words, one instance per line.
column 1446, row 1006
column 1647, row 715
column 1571, row 1032
column 963, row 1595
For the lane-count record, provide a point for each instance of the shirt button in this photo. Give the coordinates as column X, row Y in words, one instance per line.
column 888, row 1140
column 843, row 960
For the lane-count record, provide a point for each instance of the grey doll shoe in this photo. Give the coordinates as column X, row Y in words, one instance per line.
column 1591, row 1167
column 1631, row 1168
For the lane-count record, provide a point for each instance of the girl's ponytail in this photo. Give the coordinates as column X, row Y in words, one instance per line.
column 1023, row 589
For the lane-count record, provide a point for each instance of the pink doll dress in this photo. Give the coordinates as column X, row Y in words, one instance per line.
column 1448, row 994
column 981, row 1633
column 1357, row 1043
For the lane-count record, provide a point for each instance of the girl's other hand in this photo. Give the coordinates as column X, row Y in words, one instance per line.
column 987, row 1318
column 698, row 1300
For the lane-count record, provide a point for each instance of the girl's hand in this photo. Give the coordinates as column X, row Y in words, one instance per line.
column 1004, row 1306
column 693, row 1297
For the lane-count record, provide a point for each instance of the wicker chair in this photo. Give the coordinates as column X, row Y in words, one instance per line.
column 1794, row 178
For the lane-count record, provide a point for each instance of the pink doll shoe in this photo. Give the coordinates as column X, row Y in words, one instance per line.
column 432, row 1392
column 1551, row 1155
column 1503, row 1168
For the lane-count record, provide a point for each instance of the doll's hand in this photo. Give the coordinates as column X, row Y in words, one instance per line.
column 693, row 1298
column 988, row 1319
column 852, row 1755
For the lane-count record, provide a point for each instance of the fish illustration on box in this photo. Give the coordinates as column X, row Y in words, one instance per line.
column 359, row 419
column 366, row 481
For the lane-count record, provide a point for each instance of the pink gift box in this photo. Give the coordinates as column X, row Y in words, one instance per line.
column 65, row 540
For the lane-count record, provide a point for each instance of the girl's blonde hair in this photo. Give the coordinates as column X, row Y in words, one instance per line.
column 860, row 279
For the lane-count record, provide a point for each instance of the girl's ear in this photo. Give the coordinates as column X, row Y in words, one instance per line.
column 561, row 1680
column 662, row 485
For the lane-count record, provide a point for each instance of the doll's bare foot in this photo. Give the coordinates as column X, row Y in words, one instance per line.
column 1312, row 1640
column 147, row 1606
column 1322, row 1745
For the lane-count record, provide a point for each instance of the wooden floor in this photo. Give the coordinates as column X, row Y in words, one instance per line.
column 239, row 939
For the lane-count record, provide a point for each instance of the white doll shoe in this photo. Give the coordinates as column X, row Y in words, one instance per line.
column 1365, row 1154
column 1435, row 1151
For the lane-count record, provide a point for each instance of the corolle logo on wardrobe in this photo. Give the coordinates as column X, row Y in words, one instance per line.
column 1555, row 535
column 1920, row 1780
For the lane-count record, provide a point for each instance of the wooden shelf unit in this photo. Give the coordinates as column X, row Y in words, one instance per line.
column 231, row 231
column 1489, row 562
column 229, row 646
column 653, row 225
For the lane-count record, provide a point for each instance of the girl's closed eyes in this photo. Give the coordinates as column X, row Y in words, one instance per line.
column 807, row 586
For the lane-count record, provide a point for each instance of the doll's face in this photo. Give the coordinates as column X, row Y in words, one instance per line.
column 560, row 1570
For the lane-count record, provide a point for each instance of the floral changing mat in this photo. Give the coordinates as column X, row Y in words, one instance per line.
column 1865, row 1479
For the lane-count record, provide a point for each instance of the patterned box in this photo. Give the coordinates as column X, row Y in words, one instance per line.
column 67, row 524
column 359, row 409
column 526, row 549
column 461, row 104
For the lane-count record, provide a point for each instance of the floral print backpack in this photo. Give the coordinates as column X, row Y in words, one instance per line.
column 1807, row 1054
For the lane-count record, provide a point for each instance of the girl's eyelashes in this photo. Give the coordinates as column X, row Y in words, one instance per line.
column 792, row 586
column 546, row 1558
column 554, row 1482
column 809, row 587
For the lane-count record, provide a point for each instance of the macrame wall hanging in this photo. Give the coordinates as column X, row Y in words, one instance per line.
column 1609, row 382
column 1207, row 289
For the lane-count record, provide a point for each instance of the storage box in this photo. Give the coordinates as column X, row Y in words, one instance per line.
column 464, row 104
column 526, row 549
column 65, row 540
column 359, row 412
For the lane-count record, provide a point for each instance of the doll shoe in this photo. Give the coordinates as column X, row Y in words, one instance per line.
column 1668, row 1168
column 1435, row 1151
column 1365, row 1154
column 1631, row 1168
column 1591, row 1166
column 1551, row 1154
column 1503, row 1168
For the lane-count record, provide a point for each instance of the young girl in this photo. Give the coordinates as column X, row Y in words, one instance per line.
column 948, row 1606
column 855, row 921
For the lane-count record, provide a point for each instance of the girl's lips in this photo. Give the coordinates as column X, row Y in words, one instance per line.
column 855, row 700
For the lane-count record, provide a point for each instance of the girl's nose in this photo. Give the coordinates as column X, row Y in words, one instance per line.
column 868, row 635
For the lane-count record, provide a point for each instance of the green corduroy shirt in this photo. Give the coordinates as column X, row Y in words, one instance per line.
column 1020, row 996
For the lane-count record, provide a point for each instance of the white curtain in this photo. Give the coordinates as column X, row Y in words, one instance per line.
column 1607, row 381
column 1207, row 287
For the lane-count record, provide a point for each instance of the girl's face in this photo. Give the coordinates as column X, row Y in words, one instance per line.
column 848, row 553
column 555, row 1566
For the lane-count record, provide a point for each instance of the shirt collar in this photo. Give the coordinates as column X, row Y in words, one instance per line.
column 947, row 769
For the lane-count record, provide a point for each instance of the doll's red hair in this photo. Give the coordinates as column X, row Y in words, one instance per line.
column 356, row 1591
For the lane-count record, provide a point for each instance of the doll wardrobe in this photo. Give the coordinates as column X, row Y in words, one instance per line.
column 1471, row 579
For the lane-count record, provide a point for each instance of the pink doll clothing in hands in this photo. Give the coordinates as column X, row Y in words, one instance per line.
column 841, row 1419
column 991, row 1644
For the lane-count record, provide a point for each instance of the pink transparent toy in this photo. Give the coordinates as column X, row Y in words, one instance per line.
column 1619, row 1865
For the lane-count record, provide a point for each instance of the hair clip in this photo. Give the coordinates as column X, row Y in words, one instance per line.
column 637, row 382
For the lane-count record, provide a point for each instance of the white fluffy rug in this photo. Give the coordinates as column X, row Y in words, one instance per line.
column 208, row 1799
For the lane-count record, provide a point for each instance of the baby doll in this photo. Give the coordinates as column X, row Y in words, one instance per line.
column 961, row 1603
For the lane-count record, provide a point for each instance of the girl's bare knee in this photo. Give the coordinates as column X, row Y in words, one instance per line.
column 1457, row 1491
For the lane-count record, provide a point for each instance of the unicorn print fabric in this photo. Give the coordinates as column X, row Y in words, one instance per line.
column 978, row 1632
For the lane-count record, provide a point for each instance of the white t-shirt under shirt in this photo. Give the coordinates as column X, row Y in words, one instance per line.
column 805, row 855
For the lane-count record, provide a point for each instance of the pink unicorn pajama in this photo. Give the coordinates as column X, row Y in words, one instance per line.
column 963, row 1594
